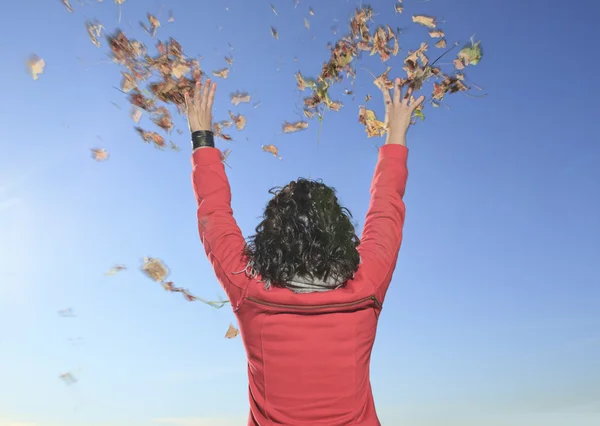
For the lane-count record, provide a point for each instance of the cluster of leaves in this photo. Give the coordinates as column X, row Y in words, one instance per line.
column 383, row 41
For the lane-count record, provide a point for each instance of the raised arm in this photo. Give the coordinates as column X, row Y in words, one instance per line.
column 382, row 233
column 222, row 239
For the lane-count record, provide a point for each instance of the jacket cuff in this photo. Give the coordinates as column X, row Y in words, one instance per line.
column 205, row 156
column 393, row 151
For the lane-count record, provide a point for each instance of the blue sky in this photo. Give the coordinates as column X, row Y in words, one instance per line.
column 492, row 317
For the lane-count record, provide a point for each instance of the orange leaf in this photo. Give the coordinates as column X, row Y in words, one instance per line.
column 239, row 120
column 294, row 127
column 99, row 154
column 373, row 127
column 272, row 149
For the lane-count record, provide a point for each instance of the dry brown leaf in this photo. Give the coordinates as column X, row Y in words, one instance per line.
column 399, row 7
column 154, row 24
column 294, row 127
column 128, row 83
column 441, row 44
column 136, row 114
column 155, row 138
column 225, row 154
column 426, row 21
column 272, row 149
column 459, row 64
column 222, row 73
column 171, row 17
column 306, row 23
column 115, row 269
column 231, row 332
column 99, row 154
column 436, row 33
column 36, row 66
column 238, row 98
column 94, row 30
column 229, row 60
column 373, row 127
column 383, row 82
column 68, row 6
column 239, row 120
column 155, row 269
column 273, row 9
column 311, row 12
column 274, row 33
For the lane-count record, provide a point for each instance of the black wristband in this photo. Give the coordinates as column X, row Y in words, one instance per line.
column 202, row 138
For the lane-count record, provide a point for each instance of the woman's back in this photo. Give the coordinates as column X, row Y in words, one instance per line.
column 308, row 358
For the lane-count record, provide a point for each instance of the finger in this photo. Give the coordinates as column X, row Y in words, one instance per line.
column 205, row 91
column 197, row 91
column 211, row 96
column 387, row 98
column 416, row 103
column 397, row 91
column 407, row 96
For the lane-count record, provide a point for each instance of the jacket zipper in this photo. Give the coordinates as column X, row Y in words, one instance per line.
column 331, row 305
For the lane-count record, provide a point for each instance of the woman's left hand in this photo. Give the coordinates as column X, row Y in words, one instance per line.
column 199, row 106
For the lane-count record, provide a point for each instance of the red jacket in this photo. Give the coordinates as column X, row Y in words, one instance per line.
column 308, row 354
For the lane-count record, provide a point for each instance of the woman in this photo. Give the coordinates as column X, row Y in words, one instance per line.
column 307, row 293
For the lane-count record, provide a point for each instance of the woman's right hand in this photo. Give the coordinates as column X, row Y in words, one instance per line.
column 398, row 113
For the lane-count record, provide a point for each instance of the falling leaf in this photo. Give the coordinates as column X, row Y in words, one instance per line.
column 239, row 120
column 115, row 269
column 67, row 4
column 147, row 136
column 441, row 44
column 383, row 82
column 136, row 114
column 162, row 118
column 154, row 24
column 373, row 127
column 256, row 104
column 171, row 17
column 225, row 154
column 274, row 33
column 427, row 21
column 155, row 269
column 119, row 1
column 223, row 73
column 273, row 9
column 436, row 34
column 294, row 127
column 67, row 313
column 311, row 11
column 272, row 149
column 238, row 98
column 399, row 7
column 68, row 378
column 229, row 60
column 36, row 66
column 174, row 146
column 306, row 23
column 94, row 30
column 231, row 332
column 226, row 123
column 367, row 98
column 128, row 83
column 471, row 54
column 419, row 114
column 99, row 154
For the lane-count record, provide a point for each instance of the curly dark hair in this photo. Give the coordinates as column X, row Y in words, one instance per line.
column 305, row 232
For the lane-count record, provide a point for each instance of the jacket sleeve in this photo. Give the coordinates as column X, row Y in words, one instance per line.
column 219, row 232
column 382, row 232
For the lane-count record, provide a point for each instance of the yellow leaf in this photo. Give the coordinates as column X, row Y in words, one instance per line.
column 427, row 21
column 36, row 66
column 223, row 73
